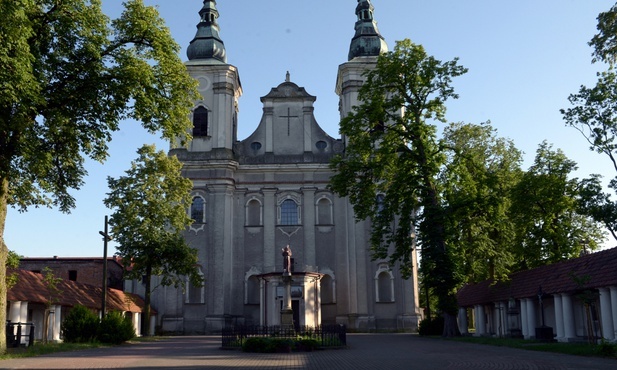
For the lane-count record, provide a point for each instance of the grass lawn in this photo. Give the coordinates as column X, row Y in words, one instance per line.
column 579, row 349
column 46, row 348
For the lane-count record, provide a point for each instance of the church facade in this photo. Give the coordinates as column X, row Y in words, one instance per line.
column 254, row 197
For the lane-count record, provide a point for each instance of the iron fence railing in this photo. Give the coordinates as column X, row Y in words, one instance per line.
column 20, row 333
column 326, row 335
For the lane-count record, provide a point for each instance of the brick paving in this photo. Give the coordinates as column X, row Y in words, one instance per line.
column 366, row 351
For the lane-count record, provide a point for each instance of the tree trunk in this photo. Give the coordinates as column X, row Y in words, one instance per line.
column 450, row 326
column 145, row 317
column 4, row 252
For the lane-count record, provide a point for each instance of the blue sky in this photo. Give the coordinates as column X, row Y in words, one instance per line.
column 524, row 58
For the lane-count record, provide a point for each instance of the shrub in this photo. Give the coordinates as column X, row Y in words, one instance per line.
column 607, row 349
column 432, row 326
column 307, row 344
column 116, row 329
column 258, row 344
column 80, row 325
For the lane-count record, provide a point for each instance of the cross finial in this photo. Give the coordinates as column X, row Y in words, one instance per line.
column 287, row 77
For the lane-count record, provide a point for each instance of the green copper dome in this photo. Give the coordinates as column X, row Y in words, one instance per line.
column 207, row 43
column 367, row 40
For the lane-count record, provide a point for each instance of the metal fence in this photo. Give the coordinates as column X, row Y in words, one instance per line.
column 19, row 334
column 328, row 336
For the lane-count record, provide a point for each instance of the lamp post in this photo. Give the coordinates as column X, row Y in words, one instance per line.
column 106, row 238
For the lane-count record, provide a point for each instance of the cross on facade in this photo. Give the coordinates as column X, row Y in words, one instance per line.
column 289, row 117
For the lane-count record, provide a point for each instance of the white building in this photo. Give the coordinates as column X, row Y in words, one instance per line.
column 573, row 300
column 253, row 197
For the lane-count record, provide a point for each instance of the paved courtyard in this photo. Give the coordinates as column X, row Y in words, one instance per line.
column 366, row 351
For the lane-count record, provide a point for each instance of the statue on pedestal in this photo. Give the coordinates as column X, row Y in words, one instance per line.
column 286, row 260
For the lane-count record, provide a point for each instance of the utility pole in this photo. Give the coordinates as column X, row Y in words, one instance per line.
column 106, row 238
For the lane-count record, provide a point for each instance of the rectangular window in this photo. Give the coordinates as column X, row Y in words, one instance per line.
column 289, row 213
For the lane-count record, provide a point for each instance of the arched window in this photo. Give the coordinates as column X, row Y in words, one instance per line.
column 324, row 212
column 384, row 284
column 327, row 289
column 289, row 212
column 252, row 290
column 253, row 213
column 195, row 293
column 198, row 210
column 200, row 121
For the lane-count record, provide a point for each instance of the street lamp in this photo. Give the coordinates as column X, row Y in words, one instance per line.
column 106, row 238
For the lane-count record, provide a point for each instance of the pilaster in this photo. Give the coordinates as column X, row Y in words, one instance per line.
column 559, row 326
column 568, row 317
column 614, row 309
column 606, row 315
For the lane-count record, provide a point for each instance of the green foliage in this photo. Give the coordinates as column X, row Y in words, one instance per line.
column 607, row 349
column 12, row 262
column 604, row 42
column 115, row 328
column 259, row 345
column 593, row 114
column 431, row 327
column 279, row 345
column 83, row 326
column 68, row 76
column 51, row 283
column 80, row 325
column 394, row 152
column 150, row 213
column 550, row 224
column 478, row 177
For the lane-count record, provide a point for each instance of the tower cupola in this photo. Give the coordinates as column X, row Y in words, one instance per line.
column 367, row 40
column 207, row 43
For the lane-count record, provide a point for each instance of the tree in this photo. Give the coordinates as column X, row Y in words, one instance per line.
column 392, row 160
column 478, row 177
column 69, row 76
column 546, row 209
column 150, row 213
column 594, row 115
column 51, row 283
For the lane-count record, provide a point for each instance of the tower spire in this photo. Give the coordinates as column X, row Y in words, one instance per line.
column 207, row 43
column 367, row 40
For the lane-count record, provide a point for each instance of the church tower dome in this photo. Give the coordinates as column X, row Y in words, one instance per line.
column 207, row 43
column 367, row 41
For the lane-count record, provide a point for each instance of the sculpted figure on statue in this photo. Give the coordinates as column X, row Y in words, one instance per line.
column 286, row 259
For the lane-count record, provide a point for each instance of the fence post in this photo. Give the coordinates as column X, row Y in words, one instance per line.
column 31, row 336
column 18, row 341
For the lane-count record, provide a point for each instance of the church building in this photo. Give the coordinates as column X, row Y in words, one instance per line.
column 253, row 197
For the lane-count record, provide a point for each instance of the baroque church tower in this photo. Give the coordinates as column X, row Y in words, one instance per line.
column 253, row 197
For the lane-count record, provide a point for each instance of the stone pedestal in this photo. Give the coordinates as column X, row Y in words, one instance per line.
column 287, row 314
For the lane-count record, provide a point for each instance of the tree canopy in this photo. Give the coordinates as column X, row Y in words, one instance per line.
column 150, row 213
column 551, row 226
column 393, row 158
column 69, row 75
column 594, row 114
column 462, row 195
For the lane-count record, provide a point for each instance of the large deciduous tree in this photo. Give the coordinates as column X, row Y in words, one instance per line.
column 550, row 223
column 68, row 76
column 392, row 161
column 150, row 213
column 481, row 171
column 594, row 115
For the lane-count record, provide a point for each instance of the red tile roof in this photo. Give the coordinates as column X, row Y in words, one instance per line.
column 31, row 287
column 595, row 270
